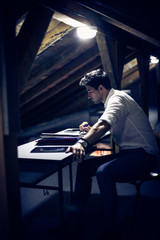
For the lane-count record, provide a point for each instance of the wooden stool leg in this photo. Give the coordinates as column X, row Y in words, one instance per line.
column 138, row 197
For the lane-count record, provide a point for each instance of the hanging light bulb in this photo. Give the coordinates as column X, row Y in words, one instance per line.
column 86, row 32
column 154, row 59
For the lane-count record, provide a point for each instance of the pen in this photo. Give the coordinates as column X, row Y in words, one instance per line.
column 84, row 130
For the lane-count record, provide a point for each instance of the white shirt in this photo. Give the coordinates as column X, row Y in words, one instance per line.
column 130, row 127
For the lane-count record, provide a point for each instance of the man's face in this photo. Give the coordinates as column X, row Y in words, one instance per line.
column 93, row 94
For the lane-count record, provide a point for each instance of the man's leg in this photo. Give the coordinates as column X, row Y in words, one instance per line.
column 85, row 171
column 127, row 166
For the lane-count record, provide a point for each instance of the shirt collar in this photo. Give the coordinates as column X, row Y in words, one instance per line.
column 111, row 92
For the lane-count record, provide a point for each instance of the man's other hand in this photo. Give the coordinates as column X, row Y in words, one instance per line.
column 78, row 152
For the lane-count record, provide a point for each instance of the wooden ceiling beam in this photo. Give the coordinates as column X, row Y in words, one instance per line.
column 106, row 14
column 106, row 59
column 113, row 57
column 143, row 66
column 117, row 52
column 10, row 202
column 29, row 40
column 68, row 8
column 53, row 35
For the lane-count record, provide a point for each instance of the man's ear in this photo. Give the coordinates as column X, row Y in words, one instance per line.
column 100, row 88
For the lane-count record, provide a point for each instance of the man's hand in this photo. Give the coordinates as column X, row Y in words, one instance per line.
column 78, row 152
column 84, row 127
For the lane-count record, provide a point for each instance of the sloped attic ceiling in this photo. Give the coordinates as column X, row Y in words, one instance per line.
column 53, row 81
column 51, row 88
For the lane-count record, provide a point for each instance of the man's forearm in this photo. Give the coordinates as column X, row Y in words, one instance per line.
column 96, row 132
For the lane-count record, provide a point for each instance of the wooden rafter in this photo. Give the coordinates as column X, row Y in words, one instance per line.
column 143, row 66
column 29, row 40
column 113, row 55
column 116, row 20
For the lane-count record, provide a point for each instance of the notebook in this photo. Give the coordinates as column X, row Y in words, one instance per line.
column 57, row 140
column 48, row 149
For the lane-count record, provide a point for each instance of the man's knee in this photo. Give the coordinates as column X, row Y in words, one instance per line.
column 102, row 171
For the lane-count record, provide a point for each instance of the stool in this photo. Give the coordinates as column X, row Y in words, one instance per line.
column 151, row 176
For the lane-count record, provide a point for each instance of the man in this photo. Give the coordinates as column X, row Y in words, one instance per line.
column 130, row 130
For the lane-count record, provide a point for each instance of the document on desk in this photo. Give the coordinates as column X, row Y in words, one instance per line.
column 66, row 137
column 58, row 140
column 49, row 149
column 72, row 132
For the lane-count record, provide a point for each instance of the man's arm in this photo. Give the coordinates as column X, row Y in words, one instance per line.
column 95, row 133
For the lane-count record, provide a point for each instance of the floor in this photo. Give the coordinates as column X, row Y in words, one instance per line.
column 41, row 217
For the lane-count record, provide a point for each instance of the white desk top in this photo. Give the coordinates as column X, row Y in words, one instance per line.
column 24, row 152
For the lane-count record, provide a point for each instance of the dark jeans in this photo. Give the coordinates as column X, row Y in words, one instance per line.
column 126, row 166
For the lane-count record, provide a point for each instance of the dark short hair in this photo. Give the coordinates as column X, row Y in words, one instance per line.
column 95, row 78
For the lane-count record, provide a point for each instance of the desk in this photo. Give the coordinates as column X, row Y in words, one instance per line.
column 35, row 167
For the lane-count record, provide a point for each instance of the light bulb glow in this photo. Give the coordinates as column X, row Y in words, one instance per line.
column 154, row 59
column 86, row 32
